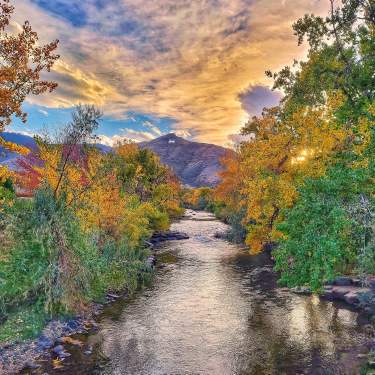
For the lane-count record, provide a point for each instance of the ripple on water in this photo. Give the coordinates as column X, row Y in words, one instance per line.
column 216, row 310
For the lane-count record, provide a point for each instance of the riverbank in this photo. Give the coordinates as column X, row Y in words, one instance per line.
column 23, row 356
column 211, row 308
column 356, row 293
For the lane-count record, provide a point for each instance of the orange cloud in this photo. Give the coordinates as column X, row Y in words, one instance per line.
column 188, row 60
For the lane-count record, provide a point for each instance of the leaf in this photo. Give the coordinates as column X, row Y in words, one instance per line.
column 57, row 364
column 71, row 341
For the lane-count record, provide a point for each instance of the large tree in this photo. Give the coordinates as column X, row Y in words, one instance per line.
column 23, row 60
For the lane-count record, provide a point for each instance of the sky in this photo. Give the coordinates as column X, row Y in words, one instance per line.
column 193, row 67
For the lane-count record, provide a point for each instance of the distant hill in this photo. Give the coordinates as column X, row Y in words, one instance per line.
column 9, row 158
column 196, row 164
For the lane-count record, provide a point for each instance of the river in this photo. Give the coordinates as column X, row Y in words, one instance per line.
column 211, row 308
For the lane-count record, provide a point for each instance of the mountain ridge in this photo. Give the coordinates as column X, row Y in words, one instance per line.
column 196, row 164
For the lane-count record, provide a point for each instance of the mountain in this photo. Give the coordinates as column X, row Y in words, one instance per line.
column 9, row 158
column 196, row 164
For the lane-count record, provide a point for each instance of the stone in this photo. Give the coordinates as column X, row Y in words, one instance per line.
column 362, row 355
column 45, row 342
column 343, row 281
column 58, row 349
column 339, row 292
column 114, row 296
column 73, row 324
column 357, row 282
column 327, row 293
column 301, row 290
column 30, row 365
column 371, row 282
column 351, row 298
column 64, row 355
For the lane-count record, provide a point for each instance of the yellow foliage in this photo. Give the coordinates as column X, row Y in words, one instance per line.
column 106, row 198
column 71, row 341
column 14, row 147
column 5, row 173
column 270, row 168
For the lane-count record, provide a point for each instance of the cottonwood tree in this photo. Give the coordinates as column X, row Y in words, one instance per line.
column 23, row 61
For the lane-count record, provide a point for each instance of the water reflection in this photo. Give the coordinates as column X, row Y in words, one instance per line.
column 213, row 309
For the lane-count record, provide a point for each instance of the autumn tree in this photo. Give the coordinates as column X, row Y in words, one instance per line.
column 23, row 62
column 325, row 119
column 64, row 163
column 330, row 230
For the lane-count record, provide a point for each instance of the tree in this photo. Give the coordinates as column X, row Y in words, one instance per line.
column 274, row 163
column 330, row 229
column 341, row 58
column 22, row 63
column 325, row 119
column 68, row 164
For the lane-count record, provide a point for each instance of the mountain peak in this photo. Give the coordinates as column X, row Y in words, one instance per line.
column 169, row 137
column 195, row 164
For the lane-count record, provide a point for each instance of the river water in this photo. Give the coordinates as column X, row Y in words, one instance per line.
column 211, row 308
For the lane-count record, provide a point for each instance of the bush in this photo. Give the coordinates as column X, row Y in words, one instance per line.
column 53, row 268
column 49, row 259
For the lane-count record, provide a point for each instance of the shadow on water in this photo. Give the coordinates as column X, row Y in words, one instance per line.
column 214, row 309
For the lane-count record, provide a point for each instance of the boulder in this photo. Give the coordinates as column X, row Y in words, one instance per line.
column 60, row 351
column 349, row 294
column 73, row 324
column 328, row 292
column 339, row 292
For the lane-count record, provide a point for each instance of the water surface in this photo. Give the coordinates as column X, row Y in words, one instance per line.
column 213, row 309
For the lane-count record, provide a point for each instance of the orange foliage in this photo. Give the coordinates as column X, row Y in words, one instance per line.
column 268, row 170
column 22, row 63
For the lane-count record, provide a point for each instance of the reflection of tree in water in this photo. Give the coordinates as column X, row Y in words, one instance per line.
column 289, row 334
column 218, row 311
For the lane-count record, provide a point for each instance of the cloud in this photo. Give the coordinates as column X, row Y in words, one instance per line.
column 236, row 139
column 127, row 134
column 43, row 112
column 186, row 60
column 183, row 133
column 256, row 98
column 154, row 129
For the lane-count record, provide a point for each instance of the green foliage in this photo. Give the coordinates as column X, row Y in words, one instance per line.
column 326, row 220
column 49, row 256
column 52, row 267
column 341, row 58
column 322, row 238
column 25, row 322
column 237, row 232
column 330, row 230
column 84, row 230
